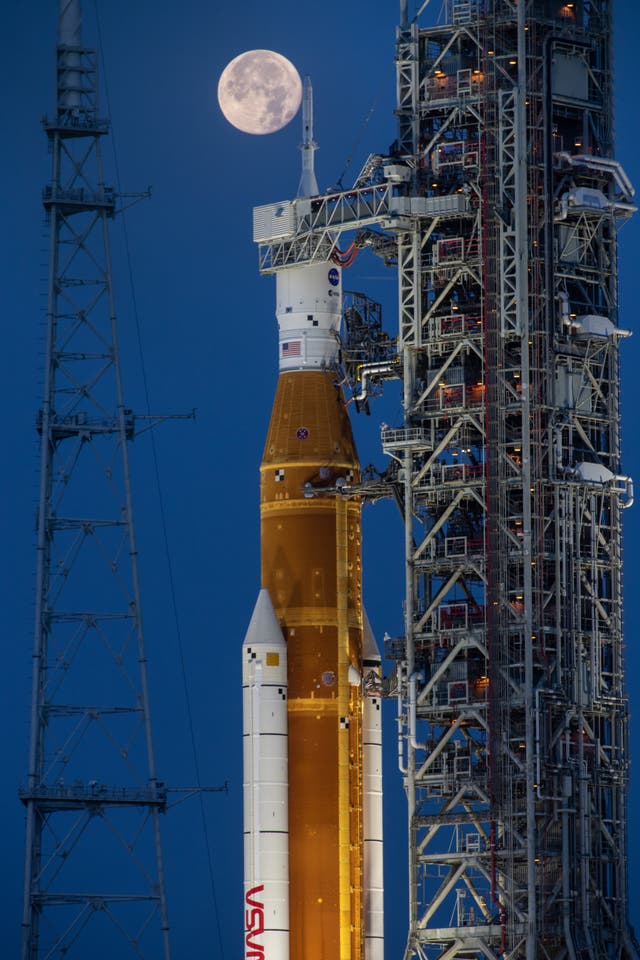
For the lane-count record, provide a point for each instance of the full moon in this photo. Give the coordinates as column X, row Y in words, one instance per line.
column 259, row 91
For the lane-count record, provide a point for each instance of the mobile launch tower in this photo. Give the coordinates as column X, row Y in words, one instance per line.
column 513, row 714
column 94, row 880
column 500, row 202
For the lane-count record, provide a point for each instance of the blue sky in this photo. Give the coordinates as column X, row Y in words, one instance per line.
column 209, row 338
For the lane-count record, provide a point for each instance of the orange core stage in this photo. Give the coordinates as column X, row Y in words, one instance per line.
column 311, row 566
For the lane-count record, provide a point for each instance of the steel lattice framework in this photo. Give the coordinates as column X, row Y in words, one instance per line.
column 512, row 708
column 93, row 875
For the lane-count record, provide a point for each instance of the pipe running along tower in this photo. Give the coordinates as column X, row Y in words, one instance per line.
column 500, row 203
column 93, row 866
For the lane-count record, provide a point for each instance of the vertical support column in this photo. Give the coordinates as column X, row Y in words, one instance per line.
column 522, row 293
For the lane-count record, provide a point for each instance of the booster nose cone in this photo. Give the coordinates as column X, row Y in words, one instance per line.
column 264, row 628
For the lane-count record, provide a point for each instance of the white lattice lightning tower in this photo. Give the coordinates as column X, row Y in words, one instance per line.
column 94, row 880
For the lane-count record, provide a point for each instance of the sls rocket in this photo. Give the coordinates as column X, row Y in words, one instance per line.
column 312, row 736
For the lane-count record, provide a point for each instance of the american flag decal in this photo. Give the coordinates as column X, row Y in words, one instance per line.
column 292, row 348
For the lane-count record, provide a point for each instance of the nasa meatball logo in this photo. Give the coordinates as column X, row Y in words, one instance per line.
column 334, row 277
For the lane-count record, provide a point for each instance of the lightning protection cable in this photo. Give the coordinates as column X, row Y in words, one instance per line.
column 163, row 520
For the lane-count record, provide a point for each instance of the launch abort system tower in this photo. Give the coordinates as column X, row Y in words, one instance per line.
column 501, row 201
column 94, row 881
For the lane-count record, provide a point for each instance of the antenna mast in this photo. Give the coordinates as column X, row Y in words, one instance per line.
column 93, row 863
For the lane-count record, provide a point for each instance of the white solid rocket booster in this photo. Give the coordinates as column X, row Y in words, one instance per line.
column 266, row 815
